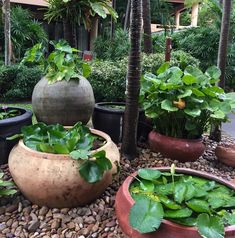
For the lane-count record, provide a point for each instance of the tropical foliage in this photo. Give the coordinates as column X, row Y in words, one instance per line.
column 63, row 63
column 183, row 199
column 183, row 103
column 25, row 32
column 79, row 12
column 6, row 113
column 78, row 142
column 5, row 186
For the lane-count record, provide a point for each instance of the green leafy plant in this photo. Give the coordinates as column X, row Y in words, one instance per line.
column 183, row 103
column 183, row 199
column 77, row 141
column 79, row 12
column 63, row 63
column 4, row 187
column 6, row 113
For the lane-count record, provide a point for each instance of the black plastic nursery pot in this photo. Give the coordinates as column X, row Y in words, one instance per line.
column 109, row 117
column 10, row 127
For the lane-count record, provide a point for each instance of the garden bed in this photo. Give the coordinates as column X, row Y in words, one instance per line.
column 19, row 218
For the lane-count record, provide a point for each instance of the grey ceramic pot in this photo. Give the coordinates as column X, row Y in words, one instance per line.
column 64, row 102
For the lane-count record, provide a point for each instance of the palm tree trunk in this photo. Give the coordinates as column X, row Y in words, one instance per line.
column 215, row 133
column 129, row 145
column 7, row 31
column 112, row 20
column 223, row 44
column 127, row 16
column 148, row 47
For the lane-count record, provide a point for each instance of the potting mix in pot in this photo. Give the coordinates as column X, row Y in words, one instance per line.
column 184, row 199
column 77, row 141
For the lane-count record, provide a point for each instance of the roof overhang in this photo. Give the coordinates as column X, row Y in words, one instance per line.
column 42, row 3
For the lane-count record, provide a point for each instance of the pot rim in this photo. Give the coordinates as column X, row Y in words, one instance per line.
column 100, row 106
column 177, row 139
column 26, row 114
column 130, row 178
column 66, row 156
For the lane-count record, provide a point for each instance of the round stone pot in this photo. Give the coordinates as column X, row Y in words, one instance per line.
column 182, row 150
column 226, row 154
column 63, row 102
column 53, row 180
column 10, row 127
column 167, row 229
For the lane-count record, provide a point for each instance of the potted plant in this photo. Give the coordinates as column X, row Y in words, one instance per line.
column 64, row 95
column 225, row 153
column 182, row 105
column 108, row 117
column 66, row 167
column 11, row 121
column 179, row 203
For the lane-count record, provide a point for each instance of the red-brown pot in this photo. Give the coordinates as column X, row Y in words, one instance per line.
column 182, row 150
column 167, row 229
column 226, row 155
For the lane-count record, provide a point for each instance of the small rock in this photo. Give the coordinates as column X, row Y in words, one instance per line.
column 71, row 225
column 64, row 211
column 90, row 220
column 43, row 211
column 111, row 223
column 12, row 208
column 33, row 226
column 2, row 210
column 55, row 224
column 2, row 226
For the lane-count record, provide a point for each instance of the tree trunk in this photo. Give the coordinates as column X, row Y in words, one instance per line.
column 194, row 16
column 223, row 44
column 68, row 32
column 129, row 145
column 113, row 20
column 215, row 133
column 7, row 31
column 127, row 16
column 148, row 47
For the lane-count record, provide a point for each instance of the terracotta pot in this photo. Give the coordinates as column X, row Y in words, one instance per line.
column 63, row 102
column 177, row 149
column 53, row 180
column 226, row 155
column 167, row 229
column 10, row 127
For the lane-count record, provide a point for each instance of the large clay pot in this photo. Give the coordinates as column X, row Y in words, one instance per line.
column 10, row 127
column 109, row 117
column 63, row 102
column 177, row 149
column 226, row 154
column 167, row 229
column 53, row 180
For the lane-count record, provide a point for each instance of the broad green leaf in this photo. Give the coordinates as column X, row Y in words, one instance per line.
column 7, row 192
column 80, row 154
column 61, row 149
column 180, row 190
column 90, row 171
column 169, row 203
column 194, row 112
column 198, row 205
column 43, row 147
column 189, row 79
column 86, row 69
column 190, row 192
column 147, row 186
column 182, row 213
column 218, row 115
column 98, row 8
column 230, row 218
column 210, row 227
column 186, row 93
column 103, row 163
column 163, row 68
column 150, row 217
column 168, row 106
column 197, row 92
column 149, row 174
column 188, row 221
column 214, row 72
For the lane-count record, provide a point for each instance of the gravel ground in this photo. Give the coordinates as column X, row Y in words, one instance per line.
column 20, row 218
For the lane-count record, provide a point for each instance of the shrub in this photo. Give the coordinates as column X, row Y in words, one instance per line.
column 18, row 83
column 108, row 78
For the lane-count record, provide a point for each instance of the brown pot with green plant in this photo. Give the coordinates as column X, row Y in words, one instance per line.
column 182, row 105
column 63, row 95
column 66, row 167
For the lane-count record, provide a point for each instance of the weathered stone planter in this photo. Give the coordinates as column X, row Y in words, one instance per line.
column 167, row 229
column 54, row 180
column 226, row 154
column 177, row 149
column 63, row 102
column 10, row 127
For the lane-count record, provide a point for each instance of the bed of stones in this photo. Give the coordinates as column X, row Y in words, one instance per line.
column 20, row 218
